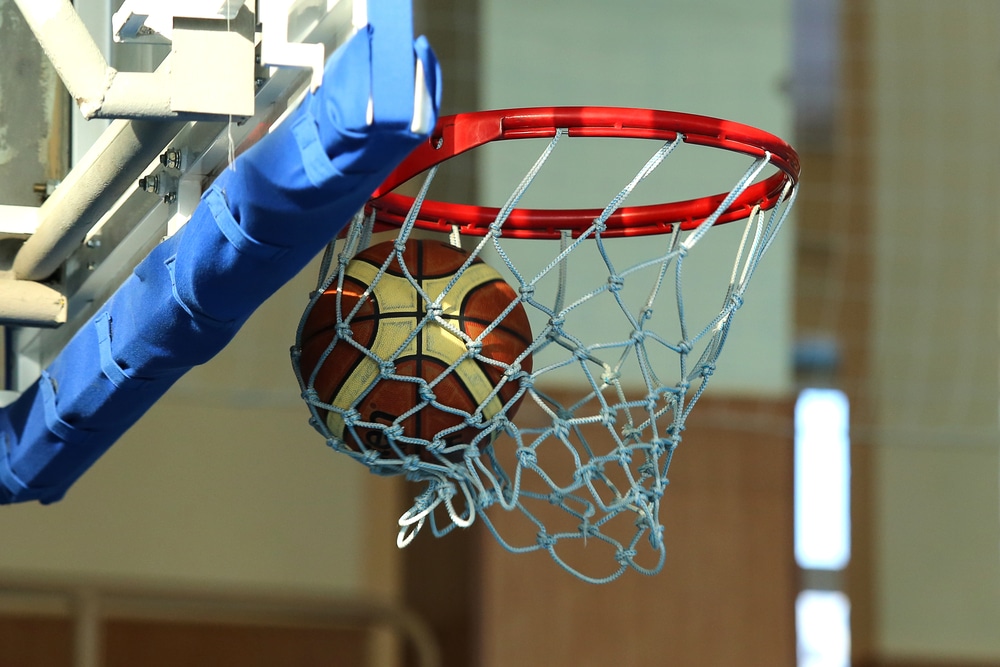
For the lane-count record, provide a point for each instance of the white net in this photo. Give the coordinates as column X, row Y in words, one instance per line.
column 593, row 408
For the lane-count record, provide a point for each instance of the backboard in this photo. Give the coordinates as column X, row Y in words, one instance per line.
column 221, row 74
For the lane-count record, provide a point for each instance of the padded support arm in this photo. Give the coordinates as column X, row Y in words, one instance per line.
column 255, row 228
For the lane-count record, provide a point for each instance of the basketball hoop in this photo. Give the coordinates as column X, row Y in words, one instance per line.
column 461, row 133
column 602, row 400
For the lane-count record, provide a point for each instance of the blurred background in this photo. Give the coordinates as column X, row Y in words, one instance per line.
column 835, row 500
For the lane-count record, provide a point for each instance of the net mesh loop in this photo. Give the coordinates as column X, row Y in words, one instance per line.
column 585, row 469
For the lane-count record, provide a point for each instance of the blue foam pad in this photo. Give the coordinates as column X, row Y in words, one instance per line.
column 255, row 228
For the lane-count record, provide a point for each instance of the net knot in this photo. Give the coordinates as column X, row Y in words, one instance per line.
column 386, row 368
column 684, row 347
column 616, row 282
column 663, row 445
column 625, row 556
column 344, row 331
column 371, row 457
column 527, row 457
column 351, row 417
column 487, row 498
column 647, row 469
column 446, row 492
column 624, row 456
column 499, row 424
column 632, row 433
column 412, row 463
column 393, row 431
column 545, row 540
column 638, row 335
column 426, row 393
column 588, row 529
column 650, row 495
column 527, row 291
column 707, row 370
column 434, row 311
column 336, row 444
column 474, row 346
column 309, row 395
column 588, row 471
column 674, row 431
column 736, row 300
column 608, row 417
column 424, row 500
column 560, row 428
column 556, row 498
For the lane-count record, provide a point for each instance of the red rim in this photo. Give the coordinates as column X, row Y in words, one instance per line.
column 463, row 132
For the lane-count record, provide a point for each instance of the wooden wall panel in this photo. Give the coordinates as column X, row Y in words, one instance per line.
column 158, row 644
column 35, row 641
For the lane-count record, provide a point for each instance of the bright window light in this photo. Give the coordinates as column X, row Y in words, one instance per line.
column 823, row 627
column 822, row 480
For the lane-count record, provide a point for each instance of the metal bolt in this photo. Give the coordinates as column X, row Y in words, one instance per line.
column 94, row 242
column 171, row 159
column 149, row 183
column 259, row 82
column 170, row 198
column 45, row 190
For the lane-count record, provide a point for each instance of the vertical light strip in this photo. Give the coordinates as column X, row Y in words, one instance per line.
column 822, row 480
column 822, row 525
column 823, row 626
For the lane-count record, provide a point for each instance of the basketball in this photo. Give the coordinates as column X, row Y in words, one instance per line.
column 383, row 316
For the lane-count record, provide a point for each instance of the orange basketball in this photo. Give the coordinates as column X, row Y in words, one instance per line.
column 384, row 324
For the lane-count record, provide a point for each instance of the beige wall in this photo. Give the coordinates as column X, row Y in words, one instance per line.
column 723, row 58
column 936, row 98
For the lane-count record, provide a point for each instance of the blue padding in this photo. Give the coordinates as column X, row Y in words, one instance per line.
column 118, row 376
column 10, row 485
column 55, row 424
column 390, row 42
column 315, row 161
column 235, row 234
column 256, row 227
